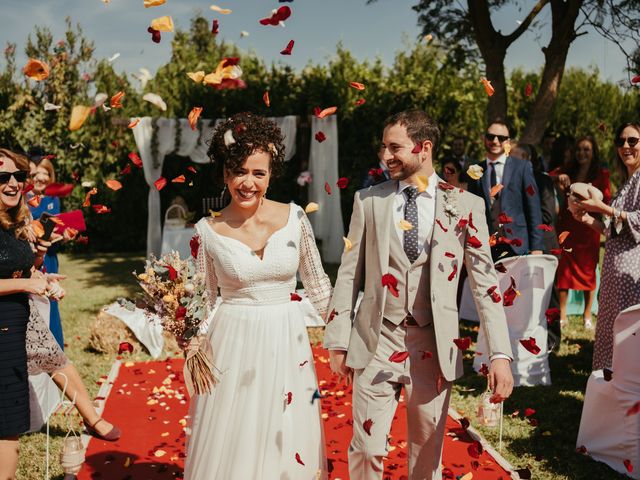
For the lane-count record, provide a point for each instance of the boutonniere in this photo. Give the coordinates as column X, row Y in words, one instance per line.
column 450, row 198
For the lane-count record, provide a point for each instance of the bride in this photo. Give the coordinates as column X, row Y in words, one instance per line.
column 262, row 419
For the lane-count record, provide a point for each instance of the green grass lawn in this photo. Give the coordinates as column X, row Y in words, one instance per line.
column 548, row 448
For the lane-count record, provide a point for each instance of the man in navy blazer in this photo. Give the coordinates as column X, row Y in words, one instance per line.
column 514, row 212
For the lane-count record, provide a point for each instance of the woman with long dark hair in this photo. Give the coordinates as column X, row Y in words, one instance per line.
column 579, row 259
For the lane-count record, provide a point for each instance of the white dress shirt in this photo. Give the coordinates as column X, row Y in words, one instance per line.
column 426, row 203
column 498, row 164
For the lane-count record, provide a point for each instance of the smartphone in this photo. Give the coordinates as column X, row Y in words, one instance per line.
column 48, row 224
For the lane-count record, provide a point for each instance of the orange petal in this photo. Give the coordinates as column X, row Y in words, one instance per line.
column 221, row 11
column 562, row 237
column 37, row 227
column 162, row 24
column 133, row 122
column 87, row 198
column 194, row 114
column 34, row 201
column 78, row 116
column 114, row 185
column 179, row 179
column 36, row 69
column 326, row 112
column 265, row 99
column 495, row 189
column 116, row 100
column 487, row 86
column 357, row 85
column 153, row 3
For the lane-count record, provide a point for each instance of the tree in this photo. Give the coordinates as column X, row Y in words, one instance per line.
column 470, row 30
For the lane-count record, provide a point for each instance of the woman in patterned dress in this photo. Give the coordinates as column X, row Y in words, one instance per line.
column 620, row 281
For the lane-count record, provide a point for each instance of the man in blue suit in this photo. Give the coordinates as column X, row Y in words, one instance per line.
column 514, row 212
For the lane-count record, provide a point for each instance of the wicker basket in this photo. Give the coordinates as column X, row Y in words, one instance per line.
column 175, row 217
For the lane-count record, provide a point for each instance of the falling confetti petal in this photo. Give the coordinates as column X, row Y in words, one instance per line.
column 162, row 24
column 347, row 244
column 153, row 3
column 391, row 282
column 404, row 225
column 277, row 17
column 50, row 106
column 36, row 70
column 155, row 99
column 221, row 11
column 196, row 76
column 325, row 112
column 78, row 116
column 423, row 183
column 475, row 172
column 116, row 100
column 398, row 357
column 288, row 49
column 528, row 90
column 266, row 99
column 462, row 343
column 562, row 237
column 530, row 345
column 311, row 207
column 495, row 189
column 342, row 182
column 357, row 85
column 160, row 183
column 487, row 86
column 194, row 114
column 114, row 185
column 320, row 137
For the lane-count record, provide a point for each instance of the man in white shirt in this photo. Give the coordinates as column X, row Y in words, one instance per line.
column 409, row 238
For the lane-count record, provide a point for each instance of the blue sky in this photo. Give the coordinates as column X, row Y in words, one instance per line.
column 380, row 29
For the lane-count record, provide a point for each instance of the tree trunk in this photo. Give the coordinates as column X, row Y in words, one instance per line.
column 564, row 15
column 493, row 48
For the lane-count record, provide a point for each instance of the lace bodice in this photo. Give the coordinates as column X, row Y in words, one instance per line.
column 244, row 278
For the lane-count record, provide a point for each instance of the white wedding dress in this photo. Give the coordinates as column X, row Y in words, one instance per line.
column 262, row 420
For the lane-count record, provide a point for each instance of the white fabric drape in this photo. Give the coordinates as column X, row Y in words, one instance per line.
column 189, row 147
column 534, row 276
column 323, row 164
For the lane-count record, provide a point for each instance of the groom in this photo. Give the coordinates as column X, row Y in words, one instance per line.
column 410, row 237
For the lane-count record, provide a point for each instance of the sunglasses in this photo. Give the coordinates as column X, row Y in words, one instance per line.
column 632, row 141
column 491, row 137
column 19, row 175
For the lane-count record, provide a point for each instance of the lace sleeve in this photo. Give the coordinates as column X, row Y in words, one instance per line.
column 315, row 280
column 204, row 266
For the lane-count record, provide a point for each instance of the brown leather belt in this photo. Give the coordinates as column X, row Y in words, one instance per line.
column 409, row 321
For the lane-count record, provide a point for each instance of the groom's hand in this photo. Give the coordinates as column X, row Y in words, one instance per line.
column 338, row 363
column 500, row 380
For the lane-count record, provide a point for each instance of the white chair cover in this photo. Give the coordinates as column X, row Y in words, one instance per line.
column 189, row 147
column 534, row 276
column 43, row 392
column 606, row 431
column 323, row 163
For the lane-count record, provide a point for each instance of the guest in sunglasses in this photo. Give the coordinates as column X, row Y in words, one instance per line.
column 16, row 282
column 620, row 280
column 508, row 187
column 43, row 175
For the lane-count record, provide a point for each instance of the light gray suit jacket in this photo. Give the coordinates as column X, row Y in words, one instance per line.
column 368, row 260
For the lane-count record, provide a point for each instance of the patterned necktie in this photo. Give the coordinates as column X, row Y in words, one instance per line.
column 411, row 216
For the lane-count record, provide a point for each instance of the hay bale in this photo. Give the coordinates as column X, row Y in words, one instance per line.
column 107, row 332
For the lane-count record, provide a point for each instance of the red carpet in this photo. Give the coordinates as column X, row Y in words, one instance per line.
column 149, row 402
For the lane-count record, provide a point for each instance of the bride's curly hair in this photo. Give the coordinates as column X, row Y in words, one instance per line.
column 240, row 136
column 16, row 218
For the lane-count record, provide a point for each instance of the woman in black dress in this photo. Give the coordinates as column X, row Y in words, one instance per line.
column 16, row 282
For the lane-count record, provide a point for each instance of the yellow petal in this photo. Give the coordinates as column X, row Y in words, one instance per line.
column 36, row 69
column 347, row 244
column 153, row 3
column 159, row 453
column 312, row 207
column 78, row 116
column 423, row 183
column 162, row 24
column 475, row 172
column 404, row 225
column 214, row 213
column 164, row 434
column 467, row 476
column 127, row 462
column 222, row 11
column 196, row 76
column 507, row 147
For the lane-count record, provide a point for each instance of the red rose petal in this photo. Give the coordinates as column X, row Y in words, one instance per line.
column 475, row 449
column 173, row 273
column 474, row 242
column 529, row 411
column 552, row 315
column 444, row 229
column 215, row 27
column 287, row 50
column 530, row 345
column 367, row 424
column 194, row 244
column 295, row 297
column 278, row 16
column 426, row 354
column 125, row 347
column 484, row 370
column 327, row 188
column 160, row 183
column 417, row 148
column 320, row 137
column 449, row 255
column 628, row 465
column 462, row 343
column 135, row 159
column 398, row 357
column 391, row 282
column 530, row 190
column 298, row 459
column 528, row 90
column 635, row 409
column 453, row 272
column 504, row 219
column 545, row 228
column 342, row 182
